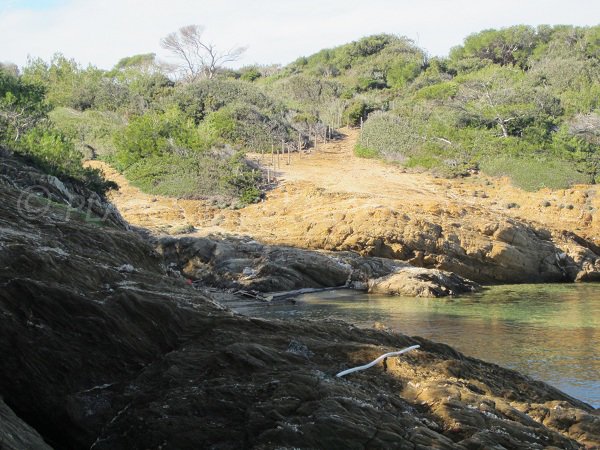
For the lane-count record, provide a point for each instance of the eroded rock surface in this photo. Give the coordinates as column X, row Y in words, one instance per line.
column 332, row 200
column 242, row 263
column 95, row 356
column 418, row 282
column 16, row 434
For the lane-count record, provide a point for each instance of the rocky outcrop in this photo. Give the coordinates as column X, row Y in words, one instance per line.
column 242, row 263
column 104, row 347
column 486, row 250
column 233, row 262
column 76, row 199
column 16, row 434
column 481, row 244
column 418, row 282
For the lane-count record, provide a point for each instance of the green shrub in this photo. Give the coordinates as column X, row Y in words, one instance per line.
column 198, row 99
column 533, row 174
column 218, row 172
column 441, row 91
column 22, row 106
column 307, row 92
column 54, row 153
column 365, row 152
column 389, row 136
column 248, row 127
column 250, row 74
column 158, row 134
column 354, row 112
column 91, row 131
column 402, row 72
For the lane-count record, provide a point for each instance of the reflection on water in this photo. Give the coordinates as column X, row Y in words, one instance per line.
column 550, row 332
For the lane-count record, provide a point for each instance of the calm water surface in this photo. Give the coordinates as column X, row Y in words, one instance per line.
column 550, row 332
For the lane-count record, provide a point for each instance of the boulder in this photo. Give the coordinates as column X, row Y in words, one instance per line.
column 419, row 282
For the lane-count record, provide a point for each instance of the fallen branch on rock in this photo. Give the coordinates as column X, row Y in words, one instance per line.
column 382, row 357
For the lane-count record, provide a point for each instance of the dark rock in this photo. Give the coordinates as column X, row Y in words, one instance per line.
column 149, row 362
column 16, row 434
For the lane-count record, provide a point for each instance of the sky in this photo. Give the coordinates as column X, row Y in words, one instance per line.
column 100, row 32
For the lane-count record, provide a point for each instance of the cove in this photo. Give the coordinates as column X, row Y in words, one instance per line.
column 550, row 332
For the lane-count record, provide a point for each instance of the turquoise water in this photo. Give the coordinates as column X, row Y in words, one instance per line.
column 549, row 332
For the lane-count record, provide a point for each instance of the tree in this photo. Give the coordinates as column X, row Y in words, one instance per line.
column 66, row 82
column 586, row 127
column 144, row 62
column 508, row 46
column 22, row 106
column 197, row 57
column 496, row 96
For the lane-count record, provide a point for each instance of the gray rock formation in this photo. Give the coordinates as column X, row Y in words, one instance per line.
column 16, row 434
column 97, row 357
column 242, row 263
column 419, row 282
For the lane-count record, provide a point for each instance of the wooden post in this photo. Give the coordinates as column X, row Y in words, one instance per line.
column 268, row 175
column 316, row 142
column 273, row 155
column 278, row 160
column 299, row 142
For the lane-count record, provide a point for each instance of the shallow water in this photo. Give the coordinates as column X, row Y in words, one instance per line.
column 550, row 332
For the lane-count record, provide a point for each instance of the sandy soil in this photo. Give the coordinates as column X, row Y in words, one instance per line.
column 346, row 182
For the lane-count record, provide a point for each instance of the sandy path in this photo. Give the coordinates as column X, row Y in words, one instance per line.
column 335, row 167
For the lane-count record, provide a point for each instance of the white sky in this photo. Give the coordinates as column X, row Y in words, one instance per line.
column 276, row 31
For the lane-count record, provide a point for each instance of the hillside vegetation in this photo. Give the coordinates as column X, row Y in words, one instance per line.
column 520, row 102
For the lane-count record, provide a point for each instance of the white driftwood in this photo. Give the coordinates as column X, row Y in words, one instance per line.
column 381, row 358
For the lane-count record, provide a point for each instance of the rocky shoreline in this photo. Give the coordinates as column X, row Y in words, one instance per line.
column 105, row 343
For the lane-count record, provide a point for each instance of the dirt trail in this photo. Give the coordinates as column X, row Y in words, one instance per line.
column 352, row 183
column 333, row 166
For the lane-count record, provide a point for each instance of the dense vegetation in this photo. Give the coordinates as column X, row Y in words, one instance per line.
column 25, row 128
column 521, row 102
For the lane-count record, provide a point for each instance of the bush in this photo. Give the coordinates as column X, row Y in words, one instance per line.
column 533, row 174
column 250, row 74
column 247, row 126
column 354, row 112
column 365, row 152
column 402, row 72
column 306, row 92
column 91, row 131
column 198, row 99
column 389, row 136
column 218, row 172
column 22, row 106
column 158, row 134
column 441, row 91
column 54, row 153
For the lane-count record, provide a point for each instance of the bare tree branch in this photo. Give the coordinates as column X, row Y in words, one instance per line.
column 197, row 57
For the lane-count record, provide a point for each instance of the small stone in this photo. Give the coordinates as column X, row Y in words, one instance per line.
column 126, row 268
